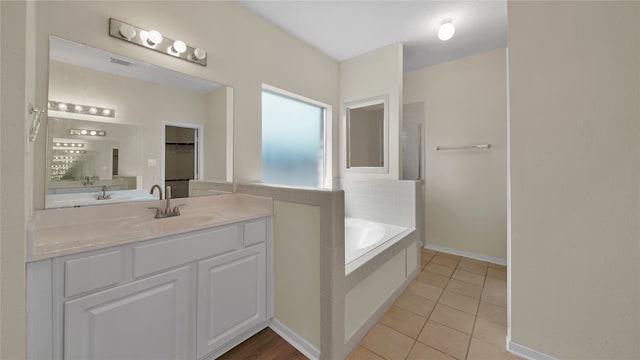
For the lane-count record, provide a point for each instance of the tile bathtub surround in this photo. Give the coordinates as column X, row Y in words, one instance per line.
column 455, row 309
column 386, row 201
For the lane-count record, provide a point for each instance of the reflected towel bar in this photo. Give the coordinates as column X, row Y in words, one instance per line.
column 480, row 146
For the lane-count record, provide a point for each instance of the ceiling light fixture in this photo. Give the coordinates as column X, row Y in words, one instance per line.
column 154, row 40
column 446, row 31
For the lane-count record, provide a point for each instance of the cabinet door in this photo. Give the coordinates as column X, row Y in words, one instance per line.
column 145, row 319
column 231, row 296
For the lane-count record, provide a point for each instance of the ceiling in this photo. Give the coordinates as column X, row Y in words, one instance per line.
column 345, row 29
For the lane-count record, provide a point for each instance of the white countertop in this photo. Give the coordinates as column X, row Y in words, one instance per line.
column 65, row 231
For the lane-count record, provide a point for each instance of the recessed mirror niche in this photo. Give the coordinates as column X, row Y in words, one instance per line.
column 107, row 117
column 366, row 128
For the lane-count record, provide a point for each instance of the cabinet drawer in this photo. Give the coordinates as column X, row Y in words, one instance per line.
column 93, row 272
column 255, row 232
column 163, row 255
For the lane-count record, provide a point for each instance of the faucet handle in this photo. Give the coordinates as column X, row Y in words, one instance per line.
column 176, row 209
column 157, row 209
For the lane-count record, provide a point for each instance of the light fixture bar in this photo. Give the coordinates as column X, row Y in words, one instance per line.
column 87, row 132
column 66, row 144
column 81, row 109
column 154, row 40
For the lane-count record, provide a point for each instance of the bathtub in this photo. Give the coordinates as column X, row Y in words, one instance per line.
column 362, row 236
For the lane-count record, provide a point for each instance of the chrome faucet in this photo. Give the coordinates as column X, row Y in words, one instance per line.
column 167, row 198
column 156, row 186
column 104, row 195
column 167, row 211
column 87, row 181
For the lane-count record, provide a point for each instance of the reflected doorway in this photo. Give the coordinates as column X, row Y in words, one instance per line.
column 181, row 158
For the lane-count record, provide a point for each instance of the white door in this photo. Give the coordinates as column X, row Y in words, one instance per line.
column 146, row 319
column 231, row 296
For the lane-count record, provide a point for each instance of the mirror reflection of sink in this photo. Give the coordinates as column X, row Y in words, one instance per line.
column 181, row 222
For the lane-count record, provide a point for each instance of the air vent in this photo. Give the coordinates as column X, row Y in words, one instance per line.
column 122, row 62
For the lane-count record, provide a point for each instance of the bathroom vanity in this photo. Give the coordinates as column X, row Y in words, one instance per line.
column 188, row 287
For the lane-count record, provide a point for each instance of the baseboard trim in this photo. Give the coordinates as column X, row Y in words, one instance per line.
column 491, row 259
column 295, row 340
column 526, row 352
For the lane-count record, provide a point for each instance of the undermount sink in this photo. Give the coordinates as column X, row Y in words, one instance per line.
column 172, row 223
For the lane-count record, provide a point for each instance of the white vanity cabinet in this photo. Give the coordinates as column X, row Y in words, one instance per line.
column 223, row 315
column 188, row 296
column 145, row 319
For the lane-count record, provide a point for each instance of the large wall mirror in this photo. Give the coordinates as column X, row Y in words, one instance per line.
column 118, row 126
column 366, row 128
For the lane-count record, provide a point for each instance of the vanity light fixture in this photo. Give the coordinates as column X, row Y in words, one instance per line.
column 87, row 132
column 69, row 145
column 154, row 40
column 127, row 31
column 446, row 31
column 81, row 109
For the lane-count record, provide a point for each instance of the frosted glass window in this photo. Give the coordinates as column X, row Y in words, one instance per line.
column 292, row 141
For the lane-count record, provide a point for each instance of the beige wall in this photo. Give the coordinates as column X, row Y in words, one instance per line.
column 373, row 74
column 575, row 174
column 296, row 268
column 244, row 52
column 16, row 178
column 465, row 190
column 216, row 149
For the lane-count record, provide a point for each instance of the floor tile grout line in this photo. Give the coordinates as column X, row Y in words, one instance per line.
column 475, row 321
column 428, row 318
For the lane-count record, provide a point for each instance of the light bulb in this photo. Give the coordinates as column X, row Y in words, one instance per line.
column 77, row 108
column 179, row 47
column 154, row 37
column 93, row 133
column 127, row 31
column 106, row 112
column 199, row 54
column 62, row 107
column 446, row 31
column 83, row 132
column 93, row 110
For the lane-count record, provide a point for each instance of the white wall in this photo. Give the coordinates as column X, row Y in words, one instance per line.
column 465, row 190
column 574, row 71
column 376, row 73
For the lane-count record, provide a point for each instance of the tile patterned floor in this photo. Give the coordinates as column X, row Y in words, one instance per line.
column 455, row 309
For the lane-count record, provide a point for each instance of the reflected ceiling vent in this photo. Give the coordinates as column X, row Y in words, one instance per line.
column 122, row 62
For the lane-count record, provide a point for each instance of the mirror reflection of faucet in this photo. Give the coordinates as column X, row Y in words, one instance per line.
column 104, row 195
column 87, row 181
column 156, row 186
